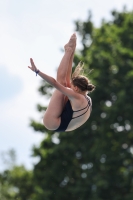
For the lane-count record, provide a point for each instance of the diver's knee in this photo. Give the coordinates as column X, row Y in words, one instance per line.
column 47, row 123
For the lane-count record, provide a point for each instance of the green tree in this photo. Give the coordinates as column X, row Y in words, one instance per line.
column 16, row 182
column 95, row 161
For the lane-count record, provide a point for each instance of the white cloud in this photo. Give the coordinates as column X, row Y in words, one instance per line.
column 9, row 85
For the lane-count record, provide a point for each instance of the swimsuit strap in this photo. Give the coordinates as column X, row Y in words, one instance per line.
column 88, row 105
column 81, row 109
column 81, row 114
column 85, row 107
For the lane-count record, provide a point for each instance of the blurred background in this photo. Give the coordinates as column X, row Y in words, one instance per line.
column 40, row 29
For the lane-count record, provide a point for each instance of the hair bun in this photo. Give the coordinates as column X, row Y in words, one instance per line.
column 90, row 87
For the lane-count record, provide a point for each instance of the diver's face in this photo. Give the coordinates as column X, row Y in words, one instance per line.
column 74, row 88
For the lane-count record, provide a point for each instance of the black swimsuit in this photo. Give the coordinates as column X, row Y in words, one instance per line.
column 67, row 114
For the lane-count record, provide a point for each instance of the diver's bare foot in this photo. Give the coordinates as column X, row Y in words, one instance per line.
column 72, row 43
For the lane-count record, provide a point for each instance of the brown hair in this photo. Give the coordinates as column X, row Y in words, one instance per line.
column 81, row 81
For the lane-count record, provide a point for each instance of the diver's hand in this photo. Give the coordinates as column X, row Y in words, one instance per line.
column 32, row 67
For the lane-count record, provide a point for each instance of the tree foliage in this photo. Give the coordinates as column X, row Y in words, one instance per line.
column 95, row 161
column 16, row 182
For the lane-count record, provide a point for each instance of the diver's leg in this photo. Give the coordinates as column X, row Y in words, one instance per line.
column 65, row 66
column 69, row 70
column 52, row 115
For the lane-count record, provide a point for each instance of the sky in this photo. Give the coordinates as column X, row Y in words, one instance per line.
column 37, row 29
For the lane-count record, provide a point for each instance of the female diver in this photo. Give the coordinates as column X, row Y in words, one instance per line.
column 69, row 106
